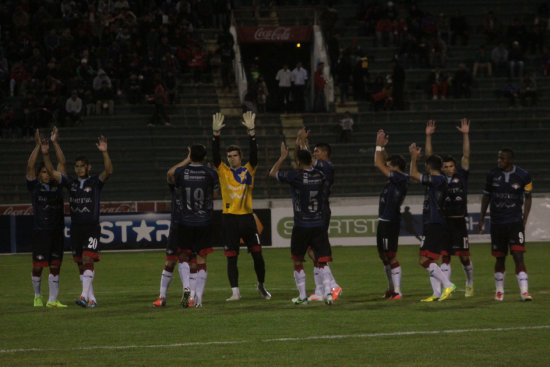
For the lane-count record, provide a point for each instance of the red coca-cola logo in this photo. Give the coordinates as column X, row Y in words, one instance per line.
column 275, row 34
column 16, row 210
column 123, row 207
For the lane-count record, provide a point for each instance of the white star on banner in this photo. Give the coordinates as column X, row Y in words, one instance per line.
column 143, row 231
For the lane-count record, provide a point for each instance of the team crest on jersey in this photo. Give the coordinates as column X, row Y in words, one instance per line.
column 87, row 189
column 242, row 176
column 456, row 180
column 515, row 186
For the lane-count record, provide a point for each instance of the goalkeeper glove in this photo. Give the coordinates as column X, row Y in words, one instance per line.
column 217, row 122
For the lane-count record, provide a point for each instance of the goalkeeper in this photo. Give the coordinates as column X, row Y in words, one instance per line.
column 237, row 183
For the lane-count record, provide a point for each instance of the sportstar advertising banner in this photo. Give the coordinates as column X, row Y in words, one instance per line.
column 355, row 225
column 118, row 231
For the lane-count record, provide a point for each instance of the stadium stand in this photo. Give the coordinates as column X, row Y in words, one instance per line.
column 141, row 155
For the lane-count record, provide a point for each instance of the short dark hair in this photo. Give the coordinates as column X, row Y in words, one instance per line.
column 448, row 158
column 232, row 148
column 434, row 162
column 39, row 168
column 324, row 147
column 198, row 152
column 303, row 157
column 508, row 151
column 397, row 160
column 83, row 159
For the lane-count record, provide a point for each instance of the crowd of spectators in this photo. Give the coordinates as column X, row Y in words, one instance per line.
column 424, row 39
column 54, row 54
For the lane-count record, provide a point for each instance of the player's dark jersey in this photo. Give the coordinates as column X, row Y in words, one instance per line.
column 457, row 191
column 309, row 190
column 328, row 169
column 175, row 204
column 434, row 198
column 506, row 191
column 196, row 184
column 392, row 196
column 84, row 196
column 47, row 203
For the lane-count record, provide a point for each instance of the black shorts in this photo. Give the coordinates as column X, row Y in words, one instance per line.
column 387, row 236
column 504, row 236
column 314, row 237
column 237, row 227
column 175, row 242
column 435, row 236
column 47, row 247
column 197, row 239
column 458, row 244
column 85, row 240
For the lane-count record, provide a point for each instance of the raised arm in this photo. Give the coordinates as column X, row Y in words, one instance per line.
column 277, row 165
column 172, row 170
column 61, row 162
column 430, row 129
column 217, row 126
column 380, row 154
column 464, row 128
column 31, row 163
column 102, row 147
column 45, row 149
column 301, row 142
column 415, row 153
column 248, row 121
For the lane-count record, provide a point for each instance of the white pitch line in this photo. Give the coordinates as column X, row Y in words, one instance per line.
column 317, row 337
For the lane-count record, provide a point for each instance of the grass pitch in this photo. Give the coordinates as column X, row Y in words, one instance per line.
column 360, row 329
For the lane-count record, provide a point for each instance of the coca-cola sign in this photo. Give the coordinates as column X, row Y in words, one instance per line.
column 275, row 34
column 105, row 208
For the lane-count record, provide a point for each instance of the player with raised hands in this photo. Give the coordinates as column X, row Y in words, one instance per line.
column 236, row 185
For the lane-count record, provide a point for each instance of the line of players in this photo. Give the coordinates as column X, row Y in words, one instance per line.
column 194, row 187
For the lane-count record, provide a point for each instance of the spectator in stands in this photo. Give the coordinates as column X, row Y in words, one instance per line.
column 491, row 27
column 133, row 90
column 262, row 94
column 384, row 32
column 528, row 91
column 299, row 81
column 73, row 109
column 159, row 99
column 104, row 99
column 499, row 58
column 408, row 53
column 517, row 32
column 19, row 78
column 438, row 52
column 462, row 82
column 250, row 99
column 510, row 91
column 8, row 122
column 343, row 74
column 438, row 84
column 319, row 103
column 198, row 63
column 444, row 28
column 383, row 93
column 398, row 79
column 516, row 60
column 346, row 126
column 482, row 61
column 227, row 55
column 100, row 79
column 360, row 77
column 459, row 28
column 284, row 77
column 545, row 57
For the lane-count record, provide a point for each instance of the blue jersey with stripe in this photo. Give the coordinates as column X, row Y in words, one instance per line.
column 434, row 198
column 47, row 203
column 84, row 197
column 392, row 196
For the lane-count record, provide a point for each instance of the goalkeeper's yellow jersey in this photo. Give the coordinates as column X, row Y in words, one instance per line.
column 236, row 187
